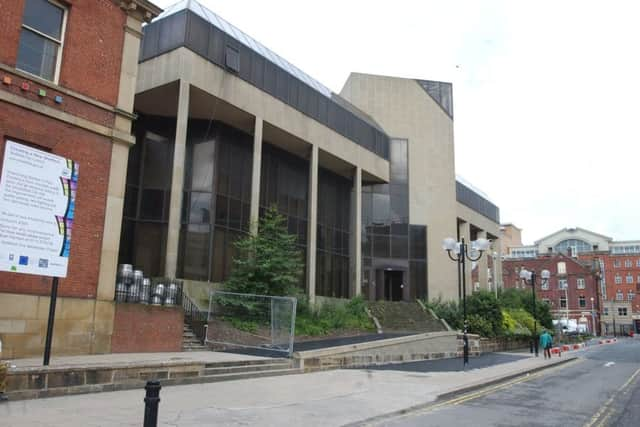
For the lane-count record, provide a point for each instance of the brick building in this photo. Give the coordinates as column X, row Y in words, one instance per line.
column 68, row 71
column 619, row 270
column 571, row 291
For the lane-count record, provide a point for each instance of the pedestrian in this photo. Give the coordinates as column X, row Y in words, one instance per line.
column 3, row 376
column 546, row 342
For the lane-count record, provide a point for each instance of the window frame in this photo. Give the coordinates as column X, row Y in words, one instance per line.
column 581, row 283
column 63, row 31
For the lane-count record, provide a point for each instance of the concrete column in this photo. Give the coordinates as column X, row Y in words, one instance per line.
column 464, row 231
column 255, row 176
column 177, row 181
column 483, row 265
column 312, row 223
column 355, row 246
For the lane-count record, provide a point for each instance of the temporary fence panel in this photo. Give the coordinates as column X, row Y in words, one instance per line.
column 261, row 322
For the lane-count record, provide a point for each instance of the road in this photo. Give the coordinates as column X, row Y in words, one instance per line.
column 601, row 389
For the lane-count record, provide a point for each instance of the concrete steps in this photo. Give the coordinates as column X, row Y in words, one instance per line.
column 34, row 383
column 404, row 317
column 190, row 342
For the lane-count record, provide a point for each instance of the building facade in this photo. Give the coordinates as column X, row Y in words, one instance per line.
column 68, row 72
column 571, row 292
column 365, row 178
column 618, row 264
column 223, row 128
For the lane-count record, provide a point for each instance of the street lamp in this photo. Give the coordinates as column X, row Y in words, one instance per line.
column 462, row 253
column 530, row 276
column 593, row 318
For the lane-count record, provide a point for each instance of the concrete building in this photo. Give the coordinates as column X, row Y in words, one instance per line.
column 68, row 72
column 228, row 128
column 224, row 128
column 510, row 237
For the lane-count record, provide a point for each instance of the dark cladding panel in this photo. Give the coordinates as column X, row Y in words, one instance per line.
column 270, row 78
column 172, row 32
column 198, row 34
column 257, row 70
column 476, row 202
column 282, row 90
column 149, row 47
column 246, row 67
column 216, row 49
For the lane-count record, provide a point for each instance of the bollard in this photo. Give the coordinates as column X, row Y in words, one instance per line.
column 151, row 401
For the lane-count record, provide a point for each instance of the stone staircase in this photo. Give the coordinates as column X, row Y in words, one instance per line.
column 190, row 342
column 405, row 317
column 42, row 382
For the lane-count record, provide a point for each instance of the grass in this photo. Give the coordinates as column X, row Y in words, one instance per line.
column 332, row 317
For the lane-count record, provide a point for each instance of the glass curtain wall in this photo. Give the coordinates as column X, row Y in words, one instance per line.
column 147, row 195
column 333, row 233
column 284, row 183
column 388, row 240
column 217, row 180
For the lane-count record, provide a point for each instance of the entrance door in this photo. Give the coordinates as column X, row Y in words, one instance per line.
column 393, row 285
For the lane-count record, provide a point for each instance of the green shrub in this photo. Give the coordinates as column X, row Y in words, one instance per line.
column 480, row 325
column 333, row 316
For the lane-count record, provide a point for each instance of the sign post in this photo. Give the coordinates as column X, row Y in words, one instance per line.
column 37, row 204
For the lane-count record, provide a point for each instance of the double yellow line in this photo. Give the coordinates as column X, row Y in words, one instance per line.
column 482, row 392
column 605, row 412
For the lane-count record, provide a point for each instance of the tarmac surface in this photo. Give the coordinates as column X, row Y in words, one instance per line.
column 602, row 390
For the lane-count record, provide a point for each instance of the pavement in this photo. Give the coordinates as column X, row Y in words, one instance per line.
column 327, row 398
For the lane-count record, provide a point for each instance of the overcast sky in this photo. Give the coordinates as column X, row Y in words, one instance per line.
column 546, row 93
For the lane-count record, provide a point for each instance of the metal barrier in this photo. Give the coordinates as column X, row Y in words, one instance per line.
column 251, row 321
column 194, row 317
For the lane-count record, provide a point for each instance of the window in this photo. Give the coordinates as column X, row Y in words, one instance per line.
column 580, row 282
column 582, row 301
column 562, row 268
column 41, row 38
column 629, row 278
column 545, row 301
column 622, row 311
column 562, row 283
column 616, row 263
column 545, row 285
column 563, row 302
column 627, row 263
column 638, row 262
column 631, row 296
column 618, row 279
column 619, row 296
column 606, row 311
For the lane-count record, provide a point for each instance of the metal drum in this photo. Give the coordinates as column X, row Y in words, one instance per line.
column 135, row 287
column 121, row 292
column 125, row 274
column 145, row 291
column 158, row 294
column 172, row 293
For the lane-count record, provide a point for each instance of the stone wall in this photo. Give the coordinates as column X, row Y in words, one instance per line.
column 434, row 345
column 146, row 328
column 82, row 326
column 491, row 345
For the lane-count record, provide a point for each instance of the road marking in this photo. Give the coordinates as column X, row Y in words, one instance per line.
column 609, row 364
column 474, row 395
column 606, row 410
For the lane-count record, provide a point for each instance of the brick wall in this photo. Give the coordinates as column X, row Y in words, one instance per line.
column 146, row 328
column 93, row 152
column 92, row 51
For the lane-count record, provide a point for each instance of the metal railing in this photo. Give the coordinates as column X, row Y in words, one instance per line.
column 194, row 317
